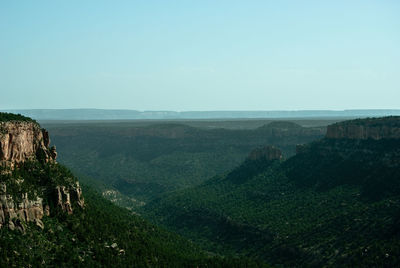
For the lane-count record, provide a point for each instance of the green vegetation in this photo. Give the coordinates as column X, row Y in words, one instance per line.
column 4, row 117
column 103, row 235
column 100, row 235
column 145, row 161
column 337, row 203
column 388, row 121
column 33, row 177
column 371, row 165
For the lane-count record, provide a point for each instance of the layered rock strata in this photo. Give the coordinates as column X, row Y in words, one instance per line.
column 376, row 129
column 21, row 141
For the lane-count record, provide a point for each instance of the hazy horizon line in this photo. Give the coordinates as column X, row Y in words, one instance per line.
column 213, row 110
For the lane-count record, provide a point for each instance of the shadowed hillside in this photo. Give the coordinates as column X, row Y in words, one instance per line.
column 335, row 203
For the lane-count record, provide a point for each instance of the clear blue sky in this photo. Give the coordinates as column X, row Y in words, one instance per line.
column 200, row 55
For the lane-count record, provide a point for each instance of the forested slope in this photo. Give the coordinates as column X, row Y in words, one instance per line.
column 337, row 202
column 144, row 162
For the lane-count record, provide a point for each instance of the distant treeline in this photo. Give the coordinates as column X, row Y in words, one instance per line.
column 4, row 117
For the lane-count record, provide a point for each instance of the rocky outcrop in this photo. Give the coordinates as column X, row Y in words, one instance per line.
column 20, row 141
column 15, row 213
column 266, row 153
column 67, row 194
column 374, row 128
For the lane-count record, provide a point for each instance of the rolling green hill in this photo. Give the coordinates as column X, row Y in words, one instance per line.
column 335, row 203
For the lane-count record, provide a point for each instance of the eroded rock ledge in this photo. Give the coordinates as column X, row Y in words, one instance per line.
column 14, row 214
column 66, row 195
column 370, row 128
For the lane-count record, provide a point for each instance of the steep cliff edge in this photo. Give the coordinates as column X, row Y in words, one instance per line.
column 363, row 129
column 32, row 183
column 21, row 141
column 362, row 152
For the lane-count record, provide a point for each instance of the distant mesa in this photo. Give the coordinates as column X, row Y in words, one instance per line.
column 266, row 153
column 363, row 129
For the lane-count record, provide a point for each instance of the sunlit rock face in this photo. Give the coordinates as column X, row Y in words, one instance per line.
column 14, row 213
column 374, row 128
column 20, row 141
column 25, row 141
column 66, row 195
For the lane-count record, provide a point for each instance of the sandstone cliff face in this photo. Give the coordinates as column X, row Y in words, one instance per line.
column 20, row 141
column 14, row 214
column 266, row 152
column 67, row 194
column 359, row 131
